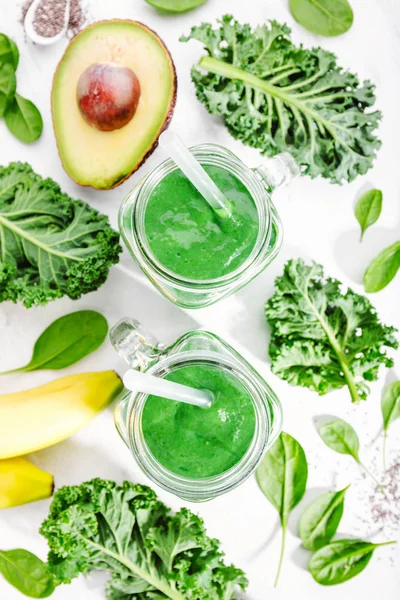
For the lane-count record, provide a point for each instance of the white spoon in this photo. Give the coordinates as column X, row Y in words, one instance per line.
column 40, row 39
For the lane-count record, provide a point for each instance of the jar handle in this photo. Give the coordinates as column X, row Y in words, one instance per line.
column 278, row 171
column 135, row 344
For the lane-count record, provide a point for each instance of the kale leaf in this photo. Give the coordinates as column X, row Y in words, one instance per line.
column 99, row 526
column 50, row 245
column 278, row 97
column 325, row 337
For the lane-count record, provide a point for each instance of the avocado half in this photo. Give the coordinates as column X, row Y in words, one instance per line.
column 104, row 159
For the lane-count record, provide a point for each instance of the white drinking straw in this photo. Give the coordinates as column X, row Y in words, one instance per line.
column 193, row 170
column 137, row 381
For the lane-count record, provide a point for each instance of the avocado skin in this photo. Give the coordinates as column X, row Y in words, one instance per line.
column 121, row 178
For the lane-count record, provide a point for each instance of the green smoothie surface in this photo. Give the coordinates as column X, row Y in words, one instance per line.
column 185, row 234
column 200, row 442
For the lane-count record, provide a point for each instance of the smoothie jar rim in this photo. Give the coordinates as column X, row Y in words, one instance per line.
column 211, row 155
column 200, row 488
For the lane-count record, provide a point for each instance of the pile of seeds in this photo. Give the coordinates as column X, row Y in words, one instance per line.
column 385, row 509
column 49, row 17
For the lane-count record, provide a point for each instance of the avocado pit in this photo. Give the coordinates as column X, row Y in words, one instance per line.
column 108, row 95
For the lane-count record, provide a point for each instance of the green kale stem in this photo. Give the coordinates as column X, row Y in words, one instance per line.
column 284, row 527
column 219, row 67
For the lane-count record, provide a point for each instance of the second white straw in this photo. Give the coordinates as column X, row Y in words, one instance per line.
column 137, row 381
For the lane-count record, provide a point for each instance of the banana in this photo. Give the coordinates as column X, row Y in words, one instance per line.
column 42, row 416
column 22, row 482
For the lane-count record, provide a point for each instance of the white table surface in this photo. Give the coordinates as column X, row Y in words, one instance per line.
column 319, row 223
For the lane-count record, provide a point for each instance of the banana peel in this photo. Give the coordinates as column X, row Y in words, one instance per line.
column 42, row 416
column 22, row 482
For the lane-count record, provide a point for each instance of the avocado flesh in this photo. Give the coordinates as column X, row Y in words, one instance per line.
column 105, row 159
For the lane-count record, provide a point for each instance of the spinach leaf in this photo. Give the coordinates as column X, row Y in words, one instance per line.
column 324, row 337
column 176, row 6
column 342, row 438
column 126, row 531
column 390, row 406
column 50, row 245
column 279, row 97
column 9, row 53
column 23, row 119
column 320, row 520
column 27, row 573
column 341, row 560
column 67, row 340
column 324, row 17
column 282, row 477
column 368, row 209
column 8, row 86
column 382, row 269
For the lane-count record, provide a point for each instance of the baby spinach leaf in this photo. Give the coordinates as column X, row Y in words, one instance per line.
column 390, row 406
column 382, row 269
column 176, row 6
column 324, row 17
column 282, row 477
column 9, row 53
column 8, row 86
column 342, row 438
column 23, row 119
column 368, row 209
column 341, row 560
column 67, row 340
column 320, row 520
column 27, row 573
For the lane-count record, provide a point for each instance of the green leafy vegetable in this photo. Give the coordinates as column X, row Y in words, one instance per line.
column 23, row 119
column 278, row 97
column 320, row 520
column 67, row 340
column 99, row 526
column 21, row 116
column 382, row 269
column 341, row 437
column 341, row 560
column 9, row 54
column 27, row 573
column 324, row 17
column 368, row 209
column 324, row 337
column 8, row 86
column 282, row 477
column 50, row 245
column 176, row 6
column 390, row 406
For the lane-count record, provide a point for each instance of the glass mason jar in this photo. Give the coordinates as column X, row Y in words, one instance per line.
column 260, row 182
column 142, row 352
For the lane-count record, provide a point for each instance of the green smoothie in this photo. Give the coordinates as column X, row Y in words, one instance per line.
column 200, row 442
column 186, row 235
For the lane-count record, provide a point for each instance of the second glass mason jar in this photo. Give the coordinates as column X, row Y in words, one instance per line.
column 259, row 183
column 194, row 349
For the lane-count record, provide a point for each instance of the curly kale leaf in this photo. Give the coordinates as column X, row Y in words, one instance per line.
column 324, row 337
column 50, row 245
column 99, row 526
column 279, row 97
